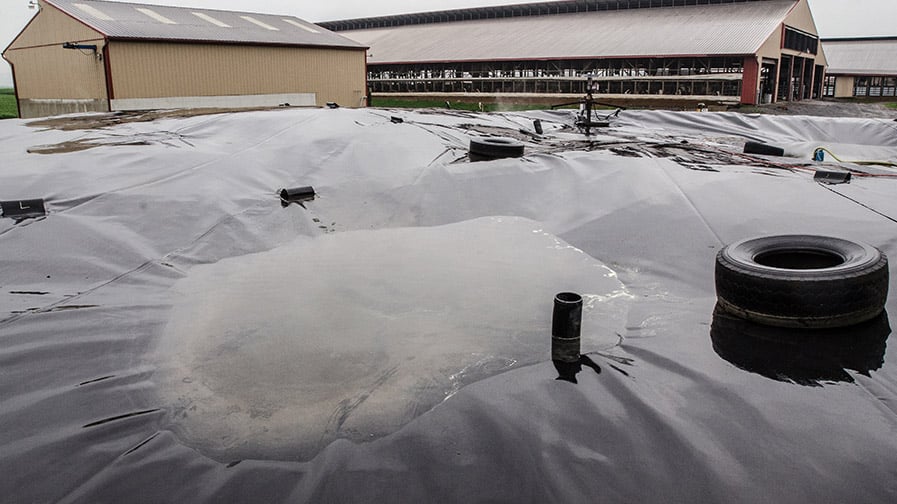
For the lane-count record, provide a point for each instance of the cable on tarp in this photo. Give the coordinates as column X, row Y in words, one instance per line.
column 818, row 157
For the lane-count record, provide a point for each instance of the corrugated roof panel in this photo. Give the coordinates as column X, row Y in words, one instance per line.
column 93, row 12
column 861, row 57
column 259, row 23
column 300, row 25
column 738, row 28
column 210, row 19
column 154, row 15
column 124, row 21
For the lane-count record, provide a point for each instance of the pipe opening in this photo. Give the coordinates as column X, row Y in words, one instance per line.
column 568, row 297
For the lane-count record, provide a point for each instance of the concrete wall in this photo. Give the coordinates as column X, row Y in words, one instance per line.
column 157, row 69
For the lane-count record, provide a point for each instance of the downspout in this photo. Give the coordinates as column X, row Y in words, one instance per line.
column 15, row 89
column 367, row 89
column 110, row 91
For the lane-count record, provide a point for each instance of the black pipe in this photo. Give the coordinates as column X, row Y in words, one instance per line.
column 296, row 195
column 763, row 149
column 566, row 325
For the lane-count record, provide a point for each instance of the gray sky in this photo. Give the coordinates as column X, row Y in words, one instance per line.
column 835, row 18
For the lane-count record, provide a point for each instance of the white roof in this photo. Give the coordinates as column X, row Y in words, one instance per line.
column 696, row 30
column 119, row 20
column 861, row 57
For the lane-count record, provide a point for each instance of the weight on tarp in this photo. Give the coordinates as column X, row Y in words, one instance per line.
column 566, row 325
column 23, row 209
column 763, row 149
column 832, row 177
column 297, row 195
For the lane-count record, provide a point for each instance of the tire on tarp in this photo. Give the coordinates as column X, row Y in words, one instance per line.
column 802, row 281
column 494, row 147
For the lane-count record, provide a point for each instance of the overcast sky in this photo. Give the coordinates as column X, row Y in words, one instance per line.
column 834, row 18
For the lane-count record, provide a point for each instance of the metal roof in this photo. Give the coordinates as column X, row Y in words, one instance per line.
column 861, row 57
column 513, row 10
column 118, row 20
column 717, row 29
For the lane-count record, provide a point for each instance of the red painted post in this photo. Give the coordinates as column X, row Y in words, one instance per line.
column 750, row 80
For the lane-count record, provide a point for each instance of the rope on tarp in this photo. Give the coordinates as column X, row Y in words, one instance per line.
column 867, row 207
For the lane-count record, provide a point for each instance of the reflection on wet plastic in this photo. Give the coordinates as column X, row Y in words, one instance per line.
column 567, row 371
column 802, row 356
column 352, row 335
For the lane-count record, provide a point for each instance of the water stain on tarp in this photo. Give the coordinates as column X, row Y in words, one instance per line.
column 352, row 335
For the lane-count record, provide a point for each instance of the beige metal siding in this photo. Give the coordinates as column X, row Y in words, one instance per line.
column 844, row 87
column 52, row 26
column 772, row 48
column 158, row 69
column 46, row 71
column 57, row 73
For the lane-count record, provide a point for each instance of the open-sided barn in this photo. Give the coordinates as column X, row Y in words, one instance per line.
column 747, row 51
column 86, row 55
column 864, row 67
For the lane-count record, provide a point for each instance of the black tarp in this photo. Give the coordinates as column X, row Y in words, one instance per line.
column 89, row 411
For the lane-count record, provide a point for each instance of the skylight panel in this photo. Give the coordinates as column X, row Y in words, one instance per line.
column 259, row 23
column 155, row 15
column 93, row 11
column 300, row 25
column 210, row 19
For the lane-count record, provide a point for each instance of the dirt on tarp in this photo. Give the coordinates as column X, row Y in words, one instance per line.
column 826, row 108
column 105, row 120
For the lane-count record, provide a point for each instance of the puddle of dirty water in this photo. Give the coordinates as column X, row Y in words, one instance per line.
column 352, row 335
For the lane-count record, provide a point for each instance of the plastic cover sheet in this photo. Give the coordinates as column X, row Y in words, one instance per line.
column 170, row 333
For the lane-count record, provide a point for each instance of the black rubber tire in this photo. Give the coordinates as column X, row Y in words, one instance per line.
column 763, row 149
column 802, row 281
column 491, row 147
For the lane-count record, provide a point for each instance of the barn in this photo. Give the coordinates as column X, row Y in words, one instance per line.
column 861, row 67
column 86, row 55
column 727, row 51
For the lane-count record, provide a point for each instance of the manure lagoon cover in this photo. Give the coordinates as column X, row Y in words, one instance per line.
column 352, row 335
column 169, row 333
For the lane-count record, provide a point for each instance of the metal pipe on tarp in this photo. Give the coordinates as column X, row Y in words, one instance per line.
column 566, row 326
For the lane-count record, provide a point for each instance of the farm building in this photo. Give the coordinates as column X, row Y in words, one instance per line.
column 861, row 67
column 86, row 55
column 727, row 51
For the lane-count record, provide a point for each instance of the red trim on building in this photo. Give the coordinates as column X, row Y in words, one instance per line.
column 750, row 80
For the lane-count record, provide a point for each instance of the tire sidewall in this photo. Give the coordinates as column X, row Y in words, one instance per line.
column 857, row 257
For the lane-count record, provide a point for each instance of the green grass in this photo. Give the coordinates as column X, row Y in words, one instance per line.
column 891, row 105
column 457, row 105
column 8, row 107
